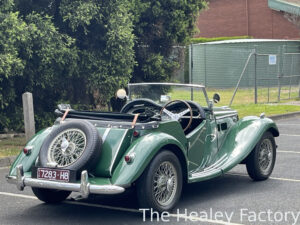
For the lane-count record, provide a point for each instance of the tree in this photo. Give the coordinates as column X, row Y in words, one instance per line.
column 12, row 36
column 33, row 56
column 11, row 66
column 61, row 50
column 82, row 51
column 159, row 25
column 103, row 31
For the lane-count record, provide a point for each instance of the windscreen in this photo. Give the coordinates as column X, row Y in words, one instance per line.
column 163, row 93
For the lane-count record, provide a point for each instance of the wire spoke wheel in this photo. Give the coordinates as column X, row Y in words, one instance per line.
column 265, row 156
column 260, row 162
column 165, row 183
column 67, row 147
column 160, row 185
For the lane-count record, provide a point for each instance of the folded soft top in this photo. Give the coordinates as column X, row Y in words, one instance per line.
column 107, row 116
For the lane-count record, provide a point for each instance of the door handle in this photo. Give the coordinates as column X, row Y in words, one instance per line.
column 213, row 137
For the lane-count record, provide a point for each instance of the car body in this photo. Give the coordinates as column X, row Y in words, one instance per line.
column 165, row 135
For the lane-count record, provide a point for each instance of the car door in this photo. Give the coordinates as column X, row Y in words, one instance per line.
column 203, row 144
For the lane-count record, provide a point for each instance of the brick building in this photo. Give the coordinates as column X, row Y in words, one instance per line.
column 255, row 18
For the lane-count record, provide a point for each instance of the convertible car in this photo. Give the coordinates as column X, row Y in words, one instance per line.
column 164, row 136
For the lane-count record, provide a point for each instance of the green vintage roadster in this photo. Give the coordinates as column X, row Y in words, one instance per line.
column 164, row 136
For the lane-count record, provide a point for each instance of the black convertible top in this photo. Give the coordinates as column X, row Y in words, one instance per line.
column 105, row 116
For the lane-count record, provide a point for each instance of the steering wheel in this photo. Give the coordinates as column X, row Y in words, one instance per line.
column 177, row 116
column 141, row 101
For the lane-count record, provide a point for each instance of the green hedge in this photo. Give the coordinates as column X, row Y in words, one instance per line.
column 203, row 39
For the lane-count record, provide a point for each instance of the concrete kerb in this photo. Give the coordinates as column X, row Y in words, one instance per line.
column 284, row 116
column 7, row 136
column 7, row 161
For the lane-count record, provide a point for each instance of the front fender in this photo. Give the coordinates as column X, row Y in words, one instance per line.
column 145, row 148
column 28, row 160
column 242, row 139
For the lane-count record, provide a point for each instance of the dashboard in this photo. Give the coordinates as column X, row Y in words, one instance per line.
column 152, row 110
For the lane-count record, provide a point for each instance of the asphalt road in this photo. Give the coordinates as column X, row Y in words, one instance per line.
column 233, row 197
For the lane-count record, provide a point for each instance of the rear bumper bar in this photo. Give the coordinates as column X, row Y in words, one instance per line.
column 84, row 187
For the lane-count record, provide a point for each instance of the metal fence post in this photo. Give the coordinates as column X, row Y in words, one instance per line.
column 28, row 115
column 279, row 73
column 242, row 74
column 255, row 76
column 299, row 85
column 205, row 75
column 191, row 69
column 190, row 63
column 299, row 89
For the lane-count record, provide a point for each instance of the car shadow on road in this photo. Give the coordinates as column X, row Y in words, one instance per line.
column 194, row 196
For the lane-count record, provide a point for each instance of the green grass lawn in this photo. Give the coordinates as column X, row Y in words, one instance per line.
column 264, row 95
column 244, row 100
column 268, row 109
column 11, row 146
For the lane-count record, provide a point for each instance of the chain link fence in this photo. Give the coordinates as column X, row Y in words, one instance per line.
column 248, row 71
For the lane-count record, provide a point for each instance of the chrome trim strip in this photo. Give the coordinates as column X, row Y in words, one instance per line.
column 219, row 162
column 117, row 152
column 174, row 84
column 224, row 112
column 84, row 187
column 105, row 134
column 121, row 125
column 190, row 162
column 225, row 116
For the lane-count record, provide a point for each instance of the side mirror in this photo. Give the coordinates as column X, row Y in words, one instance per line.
column 216, row 98
column 121, row 94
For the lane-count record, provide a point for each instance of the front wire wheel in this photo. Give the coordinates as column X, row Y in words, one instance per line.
column 261, row 161
column 160, row 185
column 265, row 156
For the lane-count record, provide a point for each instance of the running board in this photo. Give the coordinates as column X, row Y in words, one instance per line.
column 209, row 172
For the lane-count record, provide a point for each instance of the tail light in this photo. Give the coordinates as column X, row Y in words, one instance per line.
column 129, row 158
column 136, row 133
column 27, row 150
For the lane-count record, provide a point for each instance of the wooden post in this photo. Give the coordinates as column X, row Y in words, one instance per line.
column 28, row 115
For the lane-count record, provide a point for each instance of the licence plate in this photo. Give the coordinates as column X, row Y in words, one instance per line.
column 53, row 174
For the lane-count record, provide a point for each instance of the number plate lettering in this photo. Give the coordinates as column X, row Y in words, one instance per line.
column 53, row 174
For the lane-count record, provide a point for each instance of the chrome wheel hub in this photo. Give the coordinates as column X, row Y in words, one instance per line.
column 165, row 183
column 170, row 184
column 67, row 147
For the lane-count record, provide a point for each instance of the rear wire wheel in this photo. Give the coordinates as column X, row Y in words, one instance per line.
column 160, row 185
column 73, row 145
column 50, row 195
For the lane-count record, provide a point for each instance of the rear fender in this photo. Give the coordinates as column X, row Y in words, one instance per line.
column 29, row 160
column 144, row 149
column 242, row 139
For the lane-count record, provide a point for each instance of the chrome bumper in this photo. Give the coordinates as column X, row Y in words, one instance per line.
column 84, row 187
